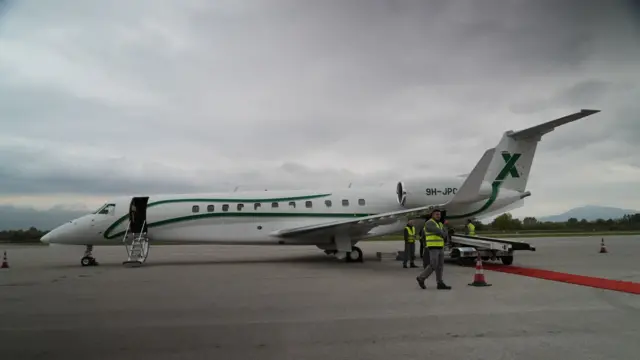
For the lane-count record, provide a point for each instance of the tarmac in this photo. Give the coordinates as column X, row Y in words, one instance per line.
column 243, row 302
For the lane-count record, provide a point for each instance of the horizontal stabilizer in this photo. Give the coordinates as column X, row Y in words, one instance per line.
column 539, row 130
column 470, row 189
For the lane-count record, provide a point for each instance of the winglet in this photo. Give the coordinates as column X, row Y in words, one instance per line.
column 549, row 126
column 471, row 187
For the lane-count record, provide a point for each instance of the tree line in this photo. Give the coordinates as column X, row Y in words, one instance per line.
column 32, row 235
column 504, row 222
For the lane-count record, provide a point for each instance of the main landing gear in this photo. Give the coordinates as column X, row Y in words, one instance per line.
column 355, row 255
column 88, row 259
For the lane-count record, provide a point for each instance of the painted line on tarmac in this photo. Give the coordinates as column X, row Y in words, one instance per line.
column 595, row 282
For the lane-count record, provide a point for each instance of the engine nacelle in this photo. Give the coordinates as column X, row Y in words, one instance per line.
column 420, row 192
column 410, row 196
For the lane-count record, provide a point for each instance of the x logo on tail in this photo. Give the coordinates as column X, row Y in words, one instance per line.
column 510, row 166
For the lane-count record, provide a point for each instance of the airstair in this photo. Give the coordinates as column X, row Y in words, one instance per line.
column 137, row 246
column 136, row 239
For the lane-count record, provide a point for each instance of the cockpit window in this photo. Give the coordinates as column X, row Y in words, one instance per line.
column 108, row 209
column 100, row 208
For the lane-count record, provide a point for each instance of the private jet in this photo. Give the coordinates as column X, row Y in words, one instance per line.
column 334, row 220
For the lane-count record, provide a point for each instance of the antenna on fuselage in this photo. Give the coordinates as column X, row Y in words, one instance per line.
column 349, row 185
column 234, row 190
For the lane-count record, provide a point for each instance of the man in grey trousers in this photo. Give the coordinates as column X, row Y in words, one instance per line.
column 435, row 237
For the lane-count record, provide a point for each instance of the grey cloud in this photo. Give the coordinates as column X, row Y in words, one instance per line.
column 578, row 95
column 34, row 173
column 201, row 96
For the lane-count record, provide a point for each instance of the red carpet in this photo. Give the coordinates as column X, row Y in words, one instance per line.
column 600, row 283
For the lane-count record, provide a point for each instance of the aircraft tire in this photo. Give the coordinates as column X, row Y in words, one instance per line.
column 507, row 260
column 355, row 255
column 86, row 261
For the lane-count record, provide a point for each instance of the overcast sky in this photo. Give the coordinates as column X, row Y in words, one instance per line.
column 111, row 97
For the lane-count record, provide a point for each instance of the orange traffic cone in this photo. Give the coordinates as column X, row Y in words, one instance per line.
column 478, row 279
column 603, row 249
column 5, row 264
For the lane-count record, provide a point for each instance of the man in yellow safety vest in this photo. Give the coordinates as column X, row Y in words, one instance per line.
column 409, row 245
column 435, row 239
column 471, row 229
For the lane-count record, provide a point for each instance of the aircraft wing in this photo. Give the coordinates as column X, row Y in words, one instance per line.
column 357, row 226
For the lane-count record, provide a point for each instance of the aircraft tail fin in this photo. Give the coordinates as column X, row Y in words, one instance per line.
column 514, row 153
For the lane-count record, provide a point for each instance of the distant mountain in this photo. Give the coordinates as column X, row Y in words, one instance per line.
column 15, row 218
column 590, row 212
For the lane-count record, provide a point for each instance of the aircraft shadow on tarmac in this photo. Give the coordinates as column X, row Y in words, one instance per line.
column 312, row 261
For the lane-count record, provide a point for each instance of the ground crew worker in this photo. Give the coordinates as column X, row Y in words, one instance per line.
column 435, row 238
column 447, row 231
column 471, row 229
column 424, row 254
column 409, row 244
column 422, row 241
column 132, row 213
column 133, row 227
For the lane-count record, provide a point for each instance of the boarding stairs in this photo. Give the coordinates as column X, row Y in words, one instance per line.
column 136, row 245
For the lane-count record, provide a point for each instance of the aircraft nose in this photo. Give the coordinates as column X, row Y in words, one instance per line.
column 46, row 238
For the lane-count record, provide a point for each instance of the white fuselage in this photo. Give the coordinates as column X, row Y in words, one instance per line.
column 251, row 217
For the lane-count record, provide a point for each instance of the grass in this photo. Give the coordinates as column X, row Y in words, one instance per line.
column 530, row 234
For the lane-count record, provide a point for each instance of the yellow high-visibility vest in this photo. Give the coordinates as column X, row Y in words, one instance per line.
column 412, row 233
column 432, row 239
column 472, row 229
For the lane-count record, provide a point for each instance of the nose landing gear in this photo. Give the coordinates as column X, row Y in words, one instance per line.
column 88, row 259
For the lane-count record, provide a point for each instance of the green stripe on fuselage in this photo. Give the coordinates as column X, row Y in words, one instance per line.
column 508, row 169
column 241, row 214
column 107, row 232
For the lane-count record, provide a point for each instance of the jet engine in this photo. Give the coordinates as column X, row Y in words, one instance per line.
column 410, row 194
column 421, row 192
column 402, row 193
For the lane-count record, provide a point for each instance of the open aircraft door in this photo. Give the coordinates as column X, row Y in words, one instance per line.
column 138, row 215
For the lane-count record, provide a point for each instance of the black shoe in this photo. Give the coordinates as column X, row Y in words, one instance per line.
column 413, row 265
column 421, row 283
column 404, row 266
column 443, row 286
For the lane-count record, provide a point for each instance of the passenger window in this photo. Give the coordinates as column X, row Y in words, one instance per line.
column 361, row 202
column 292, row 204
column 328, row 203
column 225, row 207
column 345, row 202
column 274, row 205
column 239, row 207
column 107, row 209
column 308, row 204
column 195, row 208
column 256, row 206
column 210, row 208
